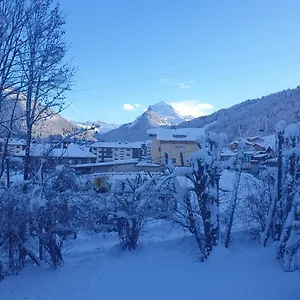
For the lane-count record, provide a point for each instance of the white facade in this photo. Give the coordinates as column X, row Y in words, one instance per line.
column 115, row 151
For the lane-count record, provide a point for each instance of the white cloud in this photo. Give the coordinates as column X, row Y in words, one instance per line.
column 184, row 85
column 192, row 108
column 128, row 107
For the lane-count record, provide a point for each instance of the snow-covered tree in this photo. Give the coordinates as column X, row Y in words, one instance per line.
column 234, row 194
column 290, row 209
column 196, row 192
column 132, row 203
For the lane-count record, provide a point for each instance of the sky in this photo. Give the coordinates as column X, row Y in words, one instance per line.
column 200, row 56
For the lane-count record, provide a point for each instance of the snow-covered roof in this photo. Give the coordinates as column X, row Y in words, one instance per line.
column 178, row 134
column 134, row 145
column 146, row 164
column 260, row 155
column 16, row 142
column 72, row 151
column 109, row 163
column 267, row 141
column 228, row 152
column 264, row 141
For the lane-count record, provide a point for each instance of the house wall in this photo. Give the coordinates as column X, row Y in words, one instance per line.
column 173, row 148
column 107, row 169
column 11, row 148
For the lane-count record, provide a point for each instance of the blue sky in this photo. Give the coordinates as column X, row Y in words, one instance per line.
column 198, row 55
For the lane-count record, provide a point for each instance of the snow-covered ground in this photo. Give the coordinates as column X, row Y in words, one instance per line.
column 165, row 267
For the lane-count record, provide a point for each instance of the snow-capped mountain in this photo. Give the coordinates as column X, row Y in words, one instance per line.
column 168, row 114
column 101, row 127
column 253, row 117
column 160, row 114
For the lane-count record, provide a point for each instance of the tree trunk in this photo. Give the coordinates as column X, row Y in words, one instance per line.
column 232, row 208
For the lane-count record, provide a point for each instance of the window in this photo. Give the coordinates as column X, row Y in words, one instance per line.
column 173, row 160
column 179, row 136
column 246, row 159
column 128, row 154
column 179, row 147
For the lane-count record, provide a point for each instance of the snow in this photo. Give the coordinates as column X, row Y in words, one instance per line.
column 227, row 180
column 263, row 141
column 179, row 134
column 110, row 163
column 146, row 164
column 172, row 116
column 292, row 130
column 72, row 151
column 134, row 145
column 165, row 267
column 15, row 142
column 228, row 152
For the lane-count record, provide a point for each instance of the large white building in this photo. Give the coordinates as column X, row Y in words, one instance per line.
column 112, row 151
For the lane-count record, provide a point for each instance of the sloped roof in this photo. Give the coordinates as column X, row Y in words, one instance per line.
column 45, row 150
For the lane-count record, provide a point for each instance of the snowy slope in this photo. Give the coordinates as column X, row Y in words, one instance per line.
column 162, row 269
column 101, row 127
column 160, row 114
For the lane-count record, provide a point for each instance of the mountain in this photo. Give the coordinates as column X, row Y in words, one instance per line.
column 160, row 114
column 168, row 114
column 50, row 126
column 102, row 127
column 253, row 117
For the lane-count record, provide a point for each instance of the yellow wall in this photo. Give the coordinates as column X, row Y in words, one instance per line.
column 173, row 149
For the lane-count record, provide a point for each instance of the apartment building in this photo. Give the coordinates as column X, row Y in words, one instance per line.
column 174, row 142
column 112, row 151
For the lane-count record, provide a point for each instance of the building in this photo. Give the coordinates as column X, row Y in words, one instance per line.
column 227, row 154
column 256, row 143
column 175, row 142
column 117, row 166
column 111, row 151
column 13, row 145
column 148, row 153
column 72, row 154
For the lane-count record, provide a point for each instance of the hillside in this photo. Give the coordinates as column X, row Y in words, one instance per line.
column 253, row 117
column 160, row 114
column 101, row 127
column 54, row 125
